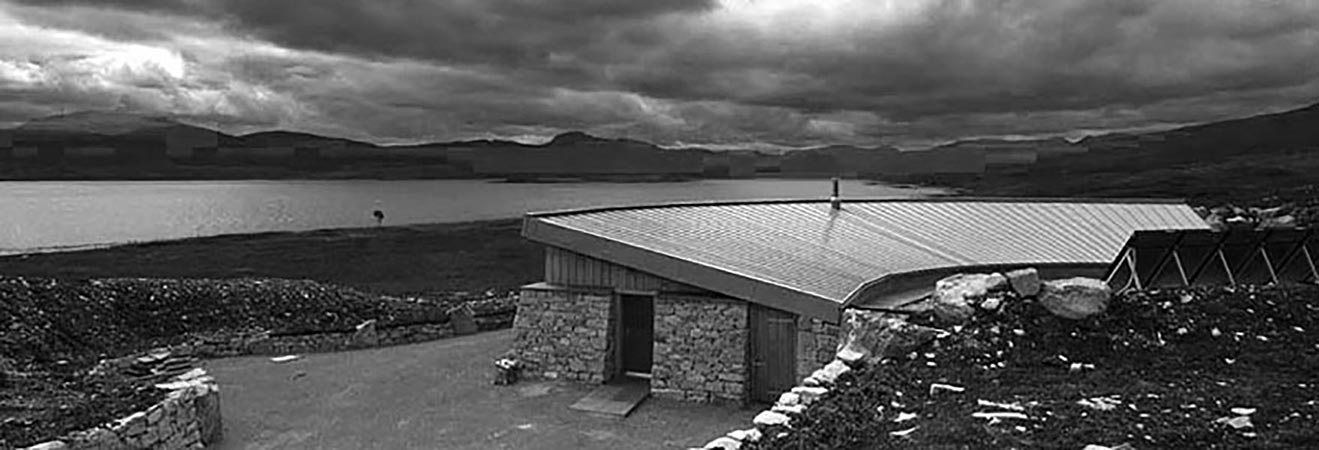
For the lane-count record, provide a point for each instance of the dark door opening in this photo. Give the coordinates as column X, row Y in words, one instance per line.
column 773, row 353
column 638, row 328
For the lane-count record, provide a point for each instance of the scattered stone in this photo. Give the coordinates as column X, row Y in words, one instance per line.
column 285, row 358
column 1101, row 403
column 1243, row 411
column 771, row 418
column 999, row 415
column 1008, row 406
column 870, row 336
column 747, row 435
column 1238, row 422
column 1100, row 447
column 936, row 387
column 365, row 334
column 1077, row 367
column 1025, row 282
column 991, row 304
column 1075, row 298
column 724, row 443
column 902, row 433
column 905, row 416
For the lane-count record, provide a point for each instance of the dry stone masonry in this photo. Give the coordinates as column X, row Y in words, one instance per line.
column 188, row 418
column 562, row 333
column 700, row 349
column 817, row 341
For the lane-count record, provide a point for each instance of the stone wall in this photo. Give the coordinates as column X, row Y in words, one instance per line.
column 563, row 333
column 817, row 342
column 188, row 418
column 367, row 335
column 700, row 349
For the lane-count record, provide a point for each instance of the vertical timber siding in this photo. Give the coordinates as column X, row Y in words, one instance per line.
column 567, row 268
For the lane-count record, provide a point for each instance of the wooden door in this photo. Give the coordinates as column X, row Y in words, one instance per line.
column 638, row 328
column 773, row 353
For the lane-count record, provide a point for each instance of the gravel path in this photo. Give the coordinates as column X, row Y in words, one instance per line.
column 435, row 395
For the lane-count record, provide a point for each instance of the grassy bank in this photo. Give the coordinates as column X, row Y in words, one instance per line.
column 402, row 260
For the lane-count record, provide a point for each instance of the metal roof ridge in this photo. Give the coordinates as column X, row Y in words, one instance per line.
column 938, row 199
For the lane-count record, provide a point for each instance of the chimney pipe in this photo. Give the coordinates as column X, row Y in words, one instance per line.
column 835, row 201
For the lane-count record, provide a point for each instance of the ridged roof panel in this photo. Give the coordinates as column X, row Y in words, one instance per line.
column 809, row 248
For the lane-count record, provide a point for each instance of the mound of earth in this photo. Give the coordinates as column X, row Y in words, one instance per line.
column 47, row 320
column 1205, row 368
column 53, row 332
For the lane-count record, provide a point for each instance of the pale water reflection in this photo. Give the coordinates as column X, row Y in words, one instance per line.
column 46, row 215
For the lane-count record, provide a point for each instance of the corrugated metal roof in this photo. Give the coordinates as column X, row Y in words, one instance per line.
column 804, row 257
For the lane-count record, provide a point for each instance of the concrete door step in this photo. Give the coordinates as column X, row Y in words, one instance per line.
column 616, row 399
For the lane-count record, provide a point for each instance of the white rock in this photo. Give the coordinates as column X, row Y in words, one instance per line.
column 851, row 356
column 952, row 296
column 999, row 415
column 191, row 374
column 871, row 335
column 724, row 443
column 1238, row 422
column 285, row 358
column 794, row 409
column 901, row 433
column 830, row 372
column 808, row 394
column 770, row 418
column 1025, row 282
column 1243, row 411
column 747, row 435
column 789, row 399
column 991, row 304
column 52, row 445
column 1075, row 298
column 936, row 387
column 996, row 282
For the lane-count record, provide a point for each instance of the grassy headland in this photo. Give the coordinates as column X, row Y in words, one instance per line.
column 401, row 260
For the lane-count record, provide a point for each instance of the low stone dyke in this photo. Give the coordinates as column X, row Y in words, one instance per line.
column 188, row 418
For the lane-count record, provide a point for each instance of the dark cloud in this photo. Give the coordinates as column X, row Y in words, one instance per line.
column 793, row 72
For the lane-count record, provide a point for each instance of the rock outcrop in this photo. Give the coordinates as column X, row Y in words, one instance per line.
column 1075, row 298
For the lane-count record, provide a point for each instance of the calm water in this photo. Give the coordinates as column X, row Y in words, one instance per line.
column 51, row 215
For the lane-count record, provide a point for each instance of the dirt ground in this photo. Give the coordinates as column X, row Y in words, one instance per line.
column 435, row 395
column 1218, row 368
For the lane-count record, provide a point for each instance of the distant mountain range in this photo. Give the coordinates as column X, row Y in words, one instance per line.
column 138, row 137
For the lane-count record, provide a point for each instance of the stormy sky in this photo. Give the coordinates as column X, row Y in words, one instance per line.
column 674, row 72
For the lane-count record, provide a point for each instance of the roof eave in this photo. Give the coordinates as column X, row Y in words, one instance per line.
column 942, row 199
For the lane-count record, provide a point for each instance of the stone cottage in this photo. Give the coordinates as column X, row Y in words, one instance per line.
column 736, row 301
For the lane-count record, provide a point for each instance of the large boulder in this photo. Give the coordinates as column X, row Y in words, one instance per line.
column 1025, row 282
column 1278, row 222
column 869, row 336
column 1075, row 298
column 955, row 296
